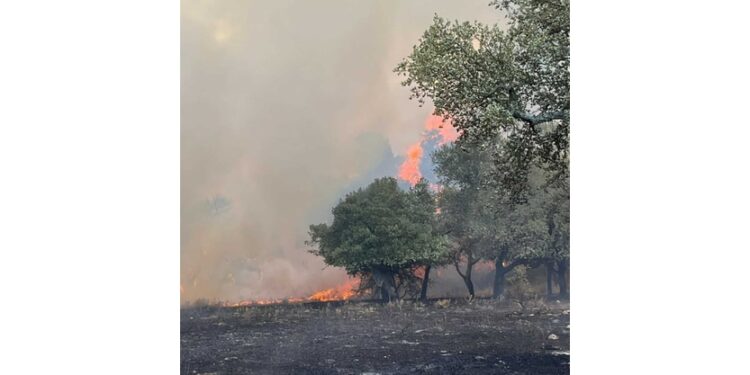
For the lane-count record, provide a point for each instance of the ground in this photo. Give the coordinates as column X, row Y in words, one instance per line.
column 439, row 337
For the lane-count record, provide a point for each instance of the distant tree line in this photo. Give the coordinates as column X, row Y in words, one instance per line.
column 504, row 193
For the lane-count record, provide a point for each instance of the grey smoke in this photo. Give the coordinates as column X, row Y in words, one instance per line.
column 286, row 106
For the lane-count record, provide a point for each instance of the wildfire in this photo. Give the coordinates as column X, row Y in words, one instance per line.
column 435, row 127
column 409, row 170
column 342, row 292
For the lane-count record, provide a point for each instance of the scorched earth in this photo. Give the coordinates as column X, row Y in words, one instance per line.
column 355, row 337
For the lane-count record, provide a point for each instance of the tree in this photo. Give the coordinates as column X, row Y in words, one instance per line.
column 383, row 234
column 424, row 211
column 520, row 238
column 461, row 175
column 536, row 232
column 480, row 226
column 492, row 83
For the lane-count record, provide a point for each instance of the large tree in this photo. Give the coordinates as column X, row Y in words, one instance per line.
column 513, row 84
column 383, row 234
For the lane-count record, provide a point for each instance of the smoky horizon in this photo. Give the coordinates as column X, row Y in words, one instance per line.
column 286, row 107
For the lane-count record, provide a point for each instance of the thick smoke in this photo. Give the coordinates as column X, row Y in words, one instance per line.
column 287, row 105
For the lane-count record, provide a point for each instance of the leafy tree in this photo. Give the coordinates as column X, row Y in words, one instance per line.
column 535, row 232
column 482, row 227
column 461, row 215
column 382, row 234
column 520, row 237
column 492, row 83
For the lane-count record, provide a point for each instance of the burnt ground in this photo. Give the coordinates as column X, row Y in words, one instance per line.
column 457, row 337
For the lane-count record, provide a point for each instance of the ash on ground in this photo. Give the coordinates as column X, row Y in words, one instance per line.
column 437, row 337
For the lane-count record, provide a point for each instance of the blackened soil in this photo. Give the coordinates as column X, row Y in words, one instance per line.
column 458, row 337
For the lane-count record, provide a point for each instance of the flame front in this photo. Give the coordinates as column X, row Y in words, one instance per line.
column 342, row 292
column 339, row 293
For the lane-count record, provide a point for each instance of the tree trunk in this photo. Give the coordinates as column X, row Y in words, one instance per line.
column 425, row 280
column 467, row 279
column 469, row 285
column 498, row 287
column 384, row 294
column 550, row 270
column 392, row 291
column 466, row 275
column 562, row 269
column 384, row 281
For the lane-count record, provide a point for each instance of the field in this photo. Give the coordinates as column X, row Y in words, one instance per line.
column 438, row 337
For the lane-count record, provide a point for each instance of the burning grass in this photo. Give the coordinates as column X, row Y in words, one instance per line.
column 343, row 292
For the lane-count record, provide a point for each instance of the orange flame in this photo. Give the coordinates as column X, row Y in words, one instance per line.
column 342, row 292
column 409, row 170
column 435, row 127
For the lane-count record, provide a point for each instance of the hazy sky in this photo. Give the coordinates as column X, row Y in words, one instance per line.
column 287, row 105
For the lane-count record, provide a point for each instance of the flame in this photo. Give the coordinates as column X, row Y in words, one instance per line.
column 409, row 170
column 435, row 127
column 342, row 292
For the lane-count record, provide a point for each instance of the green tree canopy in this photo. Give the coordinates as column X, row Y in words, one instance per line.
column 381, row 231
column 480, row 226
column 494, row 84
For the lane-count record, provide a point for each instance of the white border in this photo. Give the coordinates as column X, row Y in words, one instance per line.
column 89, row 154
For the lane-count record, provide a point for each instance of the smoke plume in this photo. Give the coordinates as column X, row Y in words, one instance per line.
column 285, row 107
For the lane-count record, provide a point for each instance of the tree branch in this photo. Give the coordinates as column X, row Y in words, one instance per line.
column 535, row 120
column 458, row 269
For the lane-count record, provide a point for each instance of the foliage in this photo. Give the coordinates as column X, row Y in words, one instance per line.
column 519, row 288
column 461, row 197
column 493, row 84
column 482, row 226
column 381, row 228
